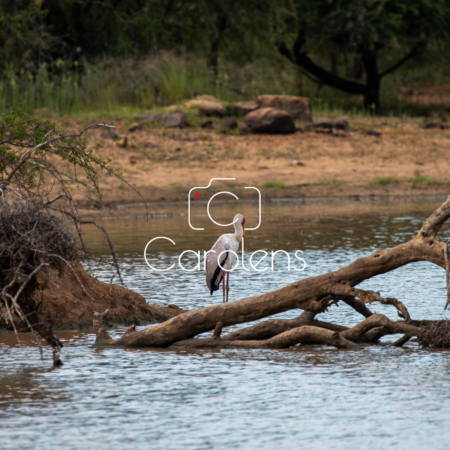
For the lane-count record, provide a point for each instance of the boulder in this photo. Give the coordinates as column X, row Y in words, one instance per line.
column 298, row 107
column 109, row 134
column 330, row 124
column 242, row 108
column 175, row 119
column 171, row 120
column 438, row 125
column 229, row 122
column 208, row 98
column 270, row 120
column 207, row 105
column 135, row 127
column 207, row 124
column 209, row 108
column 123, row 142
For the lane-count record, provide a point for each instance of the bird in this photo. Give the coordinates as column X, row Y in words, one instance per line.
column 225, row 249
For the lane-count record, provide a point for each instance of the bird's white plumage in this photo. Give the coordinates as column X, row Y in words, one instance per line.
column 226, row 247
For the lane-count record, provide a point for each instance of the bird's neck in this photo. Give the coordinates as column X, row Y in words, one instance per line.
column 238, row 231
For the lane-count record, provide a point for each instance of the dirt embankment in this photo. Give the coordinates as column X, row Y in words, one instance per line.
column 64, row 303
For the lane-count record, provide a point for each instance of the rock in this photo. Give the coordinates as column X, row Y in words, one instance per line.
column 207, row 105
column 211, row 108
column 148, row 116
column 242, row 108
column 133, row 160
column 123, row 142
column 134, row 127
column 297, row 163
column 207, row 124
column 340, row 124
column 208, row 98
column 438, row 125
column 337, row 124
column 270, row 120
column 108, row 135
column 229, row 122
column 171, row 120
column 330, row 124
column 298, row 107
column 175, row 119
column 373, row 133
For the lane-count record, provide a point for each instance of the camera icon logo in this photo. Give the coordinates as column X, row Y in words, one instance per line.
column 215, row 195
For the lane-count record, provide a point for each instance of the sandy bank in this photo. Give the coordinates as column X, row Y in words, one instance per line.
column 163, row 164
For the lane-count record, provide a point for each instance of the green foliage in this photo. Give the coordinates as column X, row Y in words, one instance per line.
column 28, row 148
column 330, row 182
column 377, row 24
column 357, row 34
column 73, row 56
column 384, row 180
column 276, row 185
column 423, row 179
column 417, row 179
column 25, row 41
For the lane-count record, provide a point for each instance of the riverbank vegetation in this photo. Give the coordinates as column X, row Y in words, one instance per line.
column 76, row 56
column 39, row 168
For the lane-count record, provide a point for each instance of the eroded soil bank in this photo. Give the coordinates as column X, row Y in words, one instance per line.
column 68, row 304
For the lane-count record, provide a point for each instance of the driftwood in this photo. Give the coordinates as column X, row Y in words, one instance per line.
column 313, row 295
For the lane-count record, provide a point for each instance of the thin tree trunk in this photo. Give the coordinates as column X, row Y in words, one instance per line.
column 372, row 94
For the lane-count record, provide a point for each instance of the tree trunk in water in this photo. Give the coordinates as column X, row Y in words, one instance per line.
column 313, row 295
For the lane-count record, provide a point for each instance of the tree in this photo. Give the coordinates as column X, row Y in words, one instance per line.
column 24, row 38
column 368, row 29
column 38, row 168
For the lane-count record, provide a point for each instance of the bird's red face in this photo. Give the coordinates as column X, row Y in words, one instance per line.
column 243, row 227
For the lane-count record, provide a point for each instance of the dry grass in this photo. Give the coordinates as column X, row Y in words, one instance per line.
column 436, row 335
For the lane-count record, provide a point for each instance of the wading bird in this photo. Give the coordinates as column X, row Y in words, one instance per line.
column 224, row 250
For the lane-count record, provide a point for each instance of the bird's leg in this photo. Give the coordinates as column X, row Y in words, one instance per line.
column 228, row 284
column 223, row 285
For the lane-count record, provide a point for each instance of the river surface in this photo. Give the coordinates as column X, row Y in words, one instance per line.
column 309, row 397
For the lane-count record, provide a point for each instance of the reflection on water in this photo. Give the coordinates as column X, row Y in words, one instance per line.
column 308, row 397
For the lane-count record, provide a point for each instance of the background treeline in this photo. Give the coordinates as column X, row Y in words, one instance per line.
column 76, row 55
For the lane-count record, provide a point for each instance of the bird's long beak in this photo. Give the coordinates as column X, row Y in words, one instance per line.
column 245, row 242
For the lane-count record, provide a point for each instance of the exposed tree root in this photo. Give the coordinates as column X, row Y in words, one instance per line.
column 314, row 295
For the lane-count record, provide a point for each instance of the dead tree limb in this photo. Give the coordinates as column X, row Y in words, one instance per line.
column 270, row 328
column 378, row 320
column 312, row 294
column 300, row 335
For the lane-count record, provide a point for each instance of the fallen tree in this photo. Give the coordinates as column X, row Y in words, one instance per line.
column 313, row 295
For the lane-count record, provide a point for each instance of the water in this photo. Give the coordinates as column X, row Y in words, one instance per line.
column 308, row 397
